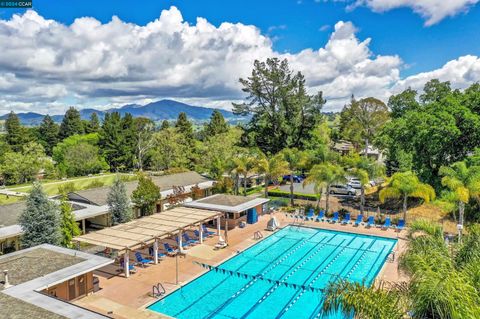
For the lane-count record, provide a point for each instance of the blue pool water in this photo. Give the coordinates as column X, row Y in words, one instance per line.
column 297, row 256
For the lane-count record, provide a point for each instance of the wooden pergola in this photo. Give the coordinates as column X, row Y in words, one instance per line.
column 149, row 230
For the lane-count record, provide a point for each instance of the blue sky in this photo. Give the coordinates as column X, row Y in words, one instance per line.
column 293, row 26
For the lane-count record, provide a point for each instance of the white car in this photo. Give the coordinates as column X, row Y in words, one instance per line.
column 342, row 189
column 355, row 184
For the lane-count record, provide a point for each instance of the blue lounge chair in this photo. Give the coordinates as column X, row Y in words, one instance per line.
column 207, row 232
column 335, row 218
column 346, row 220
column 141, row 260
column 131, row 267
column 159, row 254
column 170, row 250
column 387, row 223
column 359, row 220
column 190, row 240
column 310, row 214
column 197, row 233
column 184, row 243
column 401, row 225
column 321, row 216
column 370, row 221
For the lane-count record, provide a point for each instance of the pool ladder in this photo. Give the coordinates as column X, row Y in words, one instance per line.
column 257, row 235
column 158, row 290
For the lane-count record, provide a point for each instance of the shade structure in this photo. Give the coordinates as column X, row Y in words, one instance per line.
column 143, row 231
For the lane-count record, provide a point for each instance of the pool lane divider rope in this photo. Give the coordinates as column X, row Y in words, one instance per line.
column 263, row 271
column 243, row 264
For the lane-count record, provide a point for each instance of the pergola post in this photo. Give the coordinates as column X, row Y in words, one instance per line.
column 200, row 230
column 218, row 225
column 226, row 230
column 155, row 251
column 180, row 242
column 126, row 263
column 83, row 227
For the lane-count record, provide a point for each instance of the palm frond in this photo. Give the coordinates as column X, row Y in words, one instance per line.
column 389, row 192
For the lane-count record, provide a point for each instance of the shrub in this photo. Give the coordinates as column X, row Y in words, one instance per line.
column 279, row 193
column 66, row 188
column 95, row 184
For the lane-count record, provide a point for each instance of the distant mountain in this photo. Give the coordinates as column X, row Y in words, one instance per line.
column 156, row 111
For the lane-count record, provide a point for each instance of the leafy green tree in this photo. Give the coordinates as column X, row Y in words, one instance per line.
column 79, row 155
column 217, row 124
column 435, row 91
column 16, row 135
column 48, row 134
column 68, row 226
column 272, row 167
column 464, row 183
column 403, row 185
column 144, row 141
column 40, row 220
column 119, row 203
column 282, row 112
column 366, row 116
column 93, row 125
column 323, row 176
column 146, row 195
column 245, row 164
column 295, row 159
column 170, row 150
column 403, row 102
column 24, row 166
column 71, row 124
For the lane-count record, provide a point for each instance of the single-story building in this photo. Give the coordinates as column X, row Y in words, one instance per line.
column 236, row 209
column 40, row 282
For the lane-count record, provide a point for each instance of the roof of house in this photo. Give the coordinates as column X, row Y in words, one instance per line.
column 227, row 203
column 32, row 270
column 98, row 196
column 9, row 213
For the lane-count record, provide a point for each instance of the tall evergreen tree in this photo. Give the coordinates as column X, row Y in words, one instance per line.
column 165, row 125
column 71, row 124
column 48, row 134
column 16, row 134
column 68, row 226
column 184, row 126
column 119, row 203
column 217, row 124
column 93, row 126
column 146, row 195
column 40, row 220
column 111, row 140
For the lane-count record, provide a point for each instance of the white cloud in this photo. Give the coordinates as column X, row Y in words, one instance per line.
column 432, row 11
column 45, row 66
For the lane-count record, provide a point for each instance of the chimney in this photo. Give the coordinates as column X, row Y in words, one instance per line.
column 6, row 284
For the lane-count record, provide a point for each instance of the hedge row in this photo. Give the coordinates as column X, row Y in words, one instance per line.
column 279, row 193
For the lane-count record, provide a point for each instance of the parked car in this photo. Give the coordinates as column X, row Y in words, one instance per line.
column 355, row 184
column 296, row 178
column 342, row 189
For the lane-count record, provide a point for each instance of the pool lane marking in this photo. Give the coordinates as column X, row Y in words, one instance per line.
column 243, row 264
column 304, row 261
column 251, row 282
column 297, row 296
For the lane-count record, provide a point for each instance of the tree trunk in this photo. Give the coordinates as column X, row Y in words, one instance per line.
column 291, row 189
column 245, row 184
column 237, row 181
column 319, row 198
column 366, row 147
column 267, row 180
column 461, row 212
column 405, row 198
column 327, row 200
column 362, row 200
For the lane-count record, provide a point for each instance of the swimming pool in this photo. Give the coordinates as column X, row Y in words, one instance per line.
column 280, row 277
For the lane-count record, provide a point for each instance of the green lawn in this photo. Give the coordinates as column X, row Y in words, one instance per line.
column 11, row 199
column 51, row 187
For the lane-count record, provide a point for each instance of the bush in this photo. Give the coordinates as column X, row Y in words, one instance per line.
column 285, row 194
column 278, row 202
column 66, row 188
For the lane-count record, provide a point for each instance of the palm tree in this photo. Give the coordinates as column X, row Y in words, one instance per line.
column 272, row 167
column 364, row 169
column 295, row 159
column 244, row 165
column 323, row 176
column 464, row 183
column 404, row 185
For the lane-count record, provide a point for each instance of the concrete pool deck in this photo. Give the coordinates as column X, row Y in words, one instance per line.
column 128, row 297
